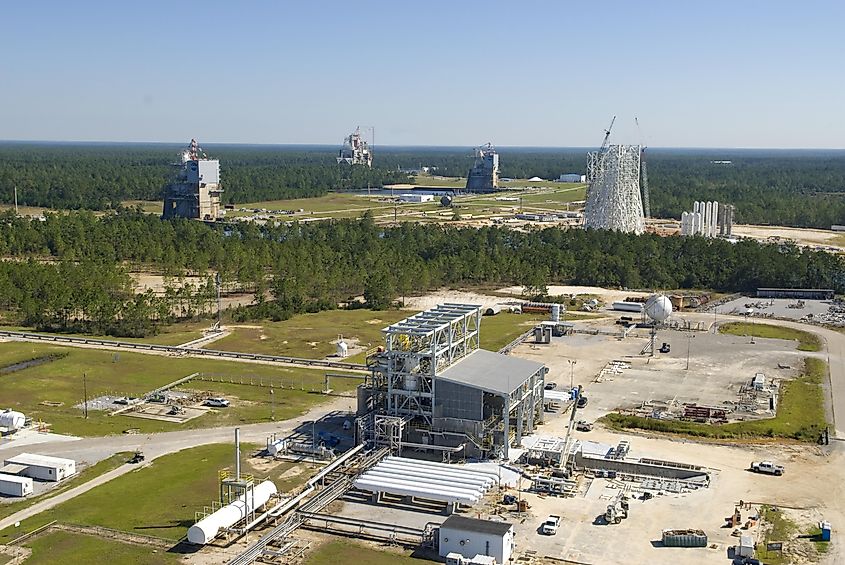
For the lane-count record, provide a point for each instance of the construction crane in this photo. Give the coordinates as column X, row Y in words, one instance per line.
column 607, row 134
column 594, row 165
column 644, row 169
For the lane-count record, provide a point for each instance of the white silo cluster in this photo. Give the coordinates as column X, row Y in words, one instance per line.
column 708, row 219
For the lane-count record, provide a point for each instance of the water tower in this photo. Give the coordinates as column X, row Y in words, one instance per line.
column 658, row 307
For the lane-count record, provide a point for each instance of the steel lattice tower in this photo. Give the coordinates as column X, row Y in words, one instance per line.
column 614, row 200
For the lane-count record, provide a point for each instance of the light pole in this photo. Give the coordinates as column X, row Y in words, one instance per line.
column 272, row 405
column 572, row 364
column 689, row 343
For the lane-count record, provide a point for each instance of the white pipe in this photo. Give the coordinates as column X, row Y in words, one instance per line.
column 429, row 464
column 438, row 495
column 413, row 478
column 436, row 473
column 420, row 489
column 237, row 454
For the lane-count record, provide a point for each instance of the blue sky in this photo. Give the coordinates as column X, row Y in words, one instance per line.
column 531, row 73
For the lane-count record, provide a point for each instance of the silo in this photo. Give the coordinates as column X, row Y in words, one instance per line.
column 555, row 313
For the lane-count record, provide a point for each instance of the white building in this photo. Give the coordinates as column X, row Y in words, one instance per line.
column 708, row 219
column 572, row 177
column 12, row 485
column 471, row 537
column 42, row 467
column 417, row 198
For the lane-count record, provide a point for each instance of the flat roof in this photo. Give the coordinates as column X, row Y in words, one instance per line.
column 491, row 372
column 36, row 460
column 15, row 479
column 477, row 526
column 13, row 469
column 433, row 319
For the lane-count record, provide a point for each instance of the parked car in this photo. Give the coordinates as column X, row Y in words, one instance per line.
column 665, row 348
column 768, row 468
column 551, row 525
column 551, row 385
column 582, row 401
column 217, row 402
column 583, row 426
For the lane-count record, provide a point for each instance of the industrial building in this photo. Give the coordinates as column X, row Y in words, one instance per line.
column 41, row 467
column 433, row 389
column 355, row 151
column 798, row 293
column 12, row 485
column 484, row 174
column 416, row 198
column 572, row 177
column 614, row 201
column 470, row 537
column 708, row 219
column 195, row 190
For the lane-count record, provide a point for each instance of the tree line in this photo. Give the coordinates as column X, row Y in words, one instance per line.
column 70, row 271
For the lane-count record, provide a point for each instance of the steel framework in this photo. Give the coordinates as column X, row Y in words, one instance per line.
column 613, row 197
column 420, row 347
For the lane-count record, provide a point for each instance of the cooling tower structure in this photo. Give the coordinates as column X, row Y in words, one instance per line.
column 614, row 200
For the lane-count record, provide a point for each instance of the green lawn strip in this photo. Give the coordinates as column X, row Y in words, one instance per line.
column 344, row 551
column 499, row 330
column 158, row 499
column 806, row 340
column 782, row 529
column 79, row 549
column 800, row 414
column 83, row 476
column 133, row 374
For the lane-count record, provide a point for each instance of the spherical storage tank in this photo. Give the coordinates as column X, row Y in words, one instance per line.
column 12, row 420
column 658, row 308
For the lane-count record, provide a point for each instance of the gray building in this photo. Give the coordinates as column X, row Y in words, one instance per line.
column 434, row 389
column 195, row 190
column 484, row 174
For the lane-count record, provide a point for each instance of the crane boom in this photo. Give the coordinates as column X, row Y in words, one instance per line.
column 607, row 134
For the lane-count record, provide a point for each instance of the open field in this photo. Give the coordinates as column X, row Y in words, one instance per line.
column 83, row 476
column 174, row 334
column 311, row 335
column 336, row 552
column 806, row 341
column 133, row 374
column 79, row 549
column 157, row 499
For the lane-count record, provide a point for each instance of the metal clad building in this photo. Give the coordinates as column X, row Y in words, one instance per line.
column 471, row 537
column 42, row 467
column 12, row 485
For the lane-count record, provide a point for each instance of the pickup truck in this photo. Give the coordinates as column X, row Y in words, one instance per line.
column 768, row 468
column 551, row 525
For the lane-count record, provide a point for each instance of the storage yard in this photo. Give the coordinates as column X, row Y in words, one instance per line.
column 444, row 430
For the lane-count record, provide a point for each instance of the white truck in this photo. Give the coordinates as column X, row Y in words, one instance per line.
column 768, row 468
column 551, row 525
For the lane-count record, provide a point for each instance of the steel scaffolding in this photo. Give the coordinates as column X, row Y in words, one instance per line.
column 614, row 200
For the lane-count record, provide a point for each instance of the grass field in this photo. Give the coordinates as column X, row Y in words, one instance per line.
column 800, row 414
column 310, row 335
column 806, row 341
column 174, row 334
column 343, row 551
column 84, row 476
column 499, row 330
column 133, row 374
column 80, row 549
column 157, row 500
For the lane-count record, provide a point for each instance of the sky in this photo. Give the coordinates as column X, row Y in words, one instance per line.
column 740, row 73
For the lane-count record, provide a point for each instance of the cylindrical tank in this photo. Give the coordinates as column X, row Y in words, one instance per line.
column 410, row 382
column 342, row 349
column 493, row 310
column 277, row 447
column 12, row 420
column 555, row 312
column 446, row 200
column 207, row 529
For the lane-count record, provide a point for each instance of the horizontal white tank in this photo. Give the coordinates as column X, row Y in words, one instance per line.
column 410, row 490
column 451, row 467
column 422, row 486
column 437, row 473
column 437, row 482
column 12, row 420
column 628, row 306
column 209, row 527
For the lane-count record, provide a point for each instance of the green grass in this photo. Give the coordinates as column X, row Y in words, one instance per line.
column 782, row 529
column 499, row 330
column 343, row 551
column 174, row 334
column 800, row 414
column 806, row 341
column 84, row 476
column 133, row 374
column 80, row 549
column 310, row 335
column 157, row 500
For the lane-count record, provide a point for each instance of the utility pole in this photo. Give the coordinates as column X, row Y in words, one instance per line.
column 689, row 344
column 16, row 200
column 272, row 404
column 219, row 282
column 572, row 364
column 85, row 393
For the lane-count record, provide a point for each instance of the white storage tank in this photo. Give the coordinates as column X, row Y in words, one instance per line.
column 342, row 349
column 12, row 420
column 209, row 527
column 12, row 485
